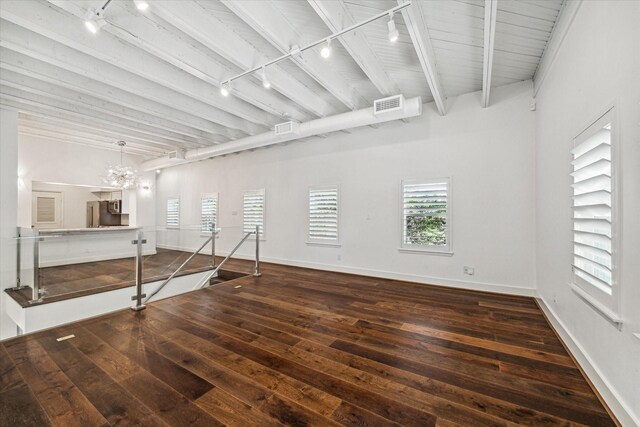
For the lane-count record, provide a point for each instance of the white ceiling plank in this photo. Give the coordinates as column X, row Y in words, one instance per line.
column 98, row 133
column 32, row 45
column 271, row 25
column 416, row 25
column 44, row 72
column 336, row 16
column 143, row 32
column 58, row 119
column 24, row 101
column 191, row 19
column 58, row 25
column 12, row 79
column 563, row 22
column 490, row 14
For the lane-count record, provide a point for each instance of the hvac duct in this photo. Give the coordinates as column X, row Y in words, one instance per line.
column 353, row 119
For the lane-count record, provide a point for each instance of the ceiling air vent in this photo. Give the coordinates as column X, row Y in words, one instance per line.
column 386, row 105
column 176, row 155
column 287, row 127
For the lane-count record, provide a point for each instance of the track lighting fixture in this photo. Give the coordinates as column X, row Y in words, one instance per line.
column 94, row 20
column 225, row 89
column 141, row 5
column 265, row 82
column 393, row 31
column 326, row 50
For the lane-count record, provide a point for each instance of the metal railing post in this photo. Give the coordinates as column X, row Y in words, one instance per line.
column 213, row 245
column 257, row 272
column 36, row 295
column 18, row 261
column 138, row 297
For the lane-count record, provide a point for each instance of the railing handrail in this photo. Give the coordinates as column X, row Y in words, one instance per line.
column 212, row 273
column 168, row 279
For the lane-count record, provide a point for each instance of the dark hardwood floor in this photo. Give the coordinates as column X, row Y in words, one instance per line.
column 302, row 347
column 75, row 280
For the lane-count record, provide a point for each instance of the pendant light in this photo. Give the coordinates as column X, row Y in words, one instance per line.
column 393, row 31
column 326, row 50
column 121, row 176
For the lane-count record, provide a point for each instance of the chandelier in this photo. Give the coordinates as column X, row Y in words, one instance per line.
column 121, row 176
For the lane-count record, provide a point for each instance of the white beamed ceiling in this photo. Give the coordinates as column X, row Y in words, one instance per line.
column 153, row 78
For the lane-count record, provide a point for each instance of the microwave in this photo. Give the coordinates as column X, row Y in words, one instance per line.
column 114, row 207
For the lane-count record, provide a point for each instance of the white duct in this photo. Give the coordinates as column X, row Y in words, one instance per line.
column 365, row 117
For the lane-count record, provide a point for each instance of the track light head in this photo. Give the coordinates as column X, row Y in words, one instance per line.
column 326, row 50
column 393, row 31
column 225, row 89
column 265, row 81
column 141, row 5
column 94, row 20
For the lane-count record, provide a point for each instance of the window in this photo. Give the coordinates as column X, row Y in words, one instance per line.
column 593, row 172
column 253, row 211
column 173, row 212
column 323, row 214
column 208, row 212
column 426, row 221
column 46, row 209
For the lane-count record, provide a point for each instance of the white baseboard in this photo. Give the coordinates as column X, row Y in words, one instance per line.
column 437, row 281
column 606, row 391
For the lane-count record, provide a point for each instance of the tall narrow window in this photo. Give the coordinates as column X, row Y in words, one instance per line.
column 208, row 211
column 173, row 212
column 594, row 210
column 253, row 211
column 323, row 214
column 426, row 221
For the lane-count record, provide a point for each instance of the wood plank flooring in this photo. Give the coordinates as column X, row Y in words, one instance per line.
column 302, row 347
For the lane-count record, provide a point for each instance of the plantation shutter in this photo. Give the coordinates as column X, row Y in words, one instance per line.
column 208, row 211
column 323, row 214
column 173, row 212
column 425, row 213
column 592, row 210
column 46, row 209
column 253, row 211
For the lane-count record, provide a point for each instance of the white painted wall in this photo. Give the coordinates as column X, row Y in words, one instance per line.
column 8, row 200
column 487, row 152
column 598, row 63
column 40, row 159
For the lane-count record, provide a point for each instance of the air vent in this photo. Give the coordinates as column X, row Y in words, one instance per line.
column 287, row 127
column 386, row 105
column 176, row 155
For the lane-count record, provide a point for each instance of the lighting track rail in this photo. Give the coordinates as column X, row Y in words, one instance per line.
column 295, row 50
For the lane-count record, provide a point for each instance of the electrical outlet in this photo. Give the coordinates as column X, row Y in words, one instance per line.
column 234, row 213
column 470, row 271
column 339, row 257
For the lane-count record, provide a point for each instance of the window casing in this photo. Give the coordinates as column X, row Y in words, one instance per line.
column 253, row 209
column 426, row 215
column 594, row 212
column 208, row 212
column 173, row 212
column 323, row 215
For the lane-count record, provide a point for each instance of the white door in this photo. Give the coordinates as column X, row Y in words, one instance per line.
column 46, row 209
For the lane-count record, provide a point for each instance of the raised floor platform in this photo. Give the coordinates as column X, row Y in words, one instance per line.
column 302, row 347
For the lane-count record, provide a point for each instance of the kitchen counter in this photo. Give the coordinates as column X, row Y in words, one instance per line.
column 87, row 230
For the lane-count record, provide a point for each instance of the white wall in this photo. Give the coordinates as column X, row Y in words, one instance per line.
column 8, row 200
column 487, row 152
column 598, row 63
column 40, row 159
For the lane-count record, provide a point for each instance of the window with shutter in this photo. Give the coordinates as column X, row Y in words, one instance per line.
column 173, row 212
column 208, row 211
column 593, row 210
column 426, row 215
column 323, row 214
column 253, row 211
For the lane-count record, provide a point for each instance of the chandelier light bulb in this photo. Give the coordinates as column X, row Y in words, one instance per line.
column 94, row 20
column 393, row 31
column 326, row 50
